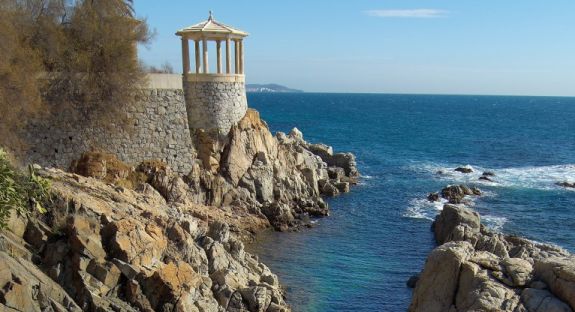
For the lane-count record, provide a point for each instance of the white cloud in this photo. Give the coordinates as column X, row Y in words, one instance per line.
column 415, row 13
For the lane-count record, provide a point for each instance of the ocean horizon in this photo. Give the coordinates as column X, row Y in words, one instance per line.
column 419, row 94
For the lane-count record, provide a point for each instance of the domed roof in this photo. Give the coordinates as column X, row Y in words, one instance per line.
column 211, row 29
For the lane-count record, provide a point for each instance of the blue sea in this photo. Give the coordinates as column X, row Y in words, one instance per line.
column 377, row 236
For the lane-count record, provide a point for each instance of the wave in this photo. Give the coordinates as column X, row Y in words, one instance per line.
column 532, row 177
column 495, row 223
column 421, row 208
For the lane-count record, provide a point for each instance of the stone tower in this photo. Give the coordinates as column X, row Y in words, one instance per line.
column 214, row 101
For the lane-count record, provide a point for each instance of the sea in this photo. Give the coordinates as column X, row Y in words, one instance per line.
column 378, row 235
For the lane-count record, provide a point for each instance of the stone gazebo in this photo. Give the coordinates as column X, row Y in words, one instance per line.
column 213, row 100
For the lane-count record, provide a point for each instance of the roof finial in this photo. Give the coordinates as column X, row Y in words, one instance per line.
column 211, row 18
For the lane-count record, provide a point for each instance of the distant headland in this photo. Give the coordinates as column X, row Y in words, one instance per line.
column 271, row 88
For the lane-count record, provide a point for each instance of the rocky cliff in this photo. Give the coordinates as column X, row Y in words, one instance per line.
column 144, row 238
column 475, row 269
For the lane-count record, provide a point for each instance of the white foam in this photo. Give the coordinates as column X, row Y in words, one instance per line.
column 545, row 177
column 421, row 208
column 542, row 177
column 495, row 223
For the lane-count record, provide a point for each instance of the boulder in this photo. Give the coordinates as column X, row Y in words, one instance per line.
column 433, row 197
column 335, row 173
column 329, row 189
column 279, row 215
column 478, row 291
column 84, row 237
column 520, row 271
column 106, row 272
column 538, row 300
column 343, row 187
column 559, row 275
column 133, row 242
column 26, row 288
column 437, row 286
column 102, row 166
column 454, row 193
column 296, row 134
column 258, row 298
column 321, row 150
column 450, row 218
column 172, row 284
column 219, row 231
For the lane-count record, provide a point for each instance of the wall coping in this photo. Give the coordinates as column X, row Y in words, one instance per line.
column 215, row 78
column 164, row 81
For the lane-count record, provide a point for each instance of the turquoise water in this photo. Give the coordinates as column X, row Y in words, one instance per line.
column 359, row 258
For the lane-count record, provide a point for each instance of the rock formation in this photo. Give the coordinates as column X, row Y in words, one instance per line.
column 107, row 248
column 144, row 238
column 281, row 178
column 475, row 269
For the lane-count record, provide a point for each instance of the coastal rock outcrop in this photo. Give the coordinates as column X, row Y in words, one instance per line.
column 102, row 247
column 480, row 270
column 281, row 178
column 145, row 238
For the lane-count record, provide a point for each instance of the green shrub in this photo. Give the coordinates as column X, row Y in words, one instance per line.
column 19, row 191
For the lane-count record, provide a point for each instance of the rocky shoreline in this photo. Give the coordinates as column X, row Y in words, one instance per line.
column 144, row 238
column 476, row 269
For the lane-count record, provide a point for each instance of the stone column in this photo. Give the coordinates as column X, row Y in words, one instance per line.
column 219, row 48
column 185, row 56
column 237, row 56
column 228, row 52
column 198, row 65
column 242, row 57
column 205, row 49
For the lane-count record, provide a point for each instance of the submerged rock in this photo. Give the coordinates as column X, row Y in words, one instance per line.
column 466, row 169
column 455, row 193
column 433, row 197
column 566, row 184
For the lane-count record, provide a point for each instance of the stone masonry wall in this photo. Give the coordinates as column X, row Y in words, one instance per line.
column 160, row 132
column 215, row 105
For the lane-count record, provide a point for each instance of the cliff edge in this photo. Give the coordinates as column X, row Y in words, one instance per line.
column 145, row 238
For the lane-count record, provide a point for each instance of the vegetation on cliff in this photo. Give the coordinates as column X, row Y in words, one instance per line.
column 20, row 192
column 76, row 56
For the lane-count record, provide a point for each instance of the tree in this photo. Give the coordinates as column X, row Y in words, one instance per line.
column 99, row 70
column 63, row 55
column 19, row 67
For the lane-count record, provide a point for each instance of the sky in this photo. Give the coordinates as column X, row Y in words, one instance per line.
column 494, row 47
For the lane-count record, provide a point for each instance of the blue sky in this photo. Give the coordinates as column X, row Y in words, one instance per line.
column 516, row 47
